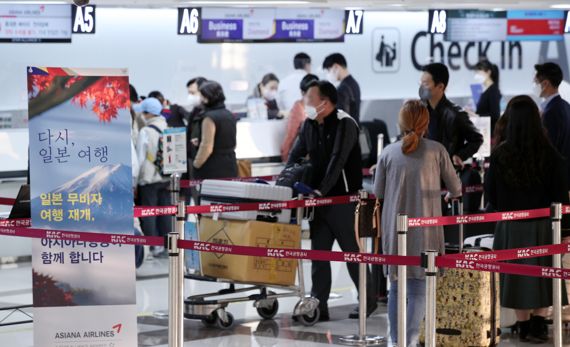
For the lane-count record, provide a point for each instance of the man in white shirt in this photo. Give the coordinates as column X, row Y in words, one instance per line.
column 289, row 91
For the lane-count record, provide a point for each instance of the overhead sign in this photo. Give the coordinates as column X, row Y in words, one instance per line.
column 189, row 20
column 31, row 23
column 475, row 25
column 354, row 20
column 267, row 25
column 535, row 25
column 437, row 22
column 83, row 19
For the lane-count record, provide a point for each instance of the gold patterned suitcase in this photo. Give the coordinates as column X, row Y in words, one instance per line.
column 467, row 309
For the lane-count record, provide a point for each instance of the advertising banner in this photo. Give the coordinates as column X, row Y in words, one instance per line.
column 81, row 180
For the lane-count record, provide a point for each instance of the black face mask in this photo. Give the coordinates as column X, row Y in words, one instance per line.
column 424, row 93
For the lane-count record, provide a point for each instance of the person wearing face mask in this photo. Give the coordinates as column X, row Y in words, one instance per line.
column 408, row 177
column 267, row 90
column 449, row 124
column 555, row 110
column 194, row 108
column 176, row 116
column 296, row 117
column 213, row 137
column 348, row 89
column 329, row 137
column 152, row 186
column 489, row 105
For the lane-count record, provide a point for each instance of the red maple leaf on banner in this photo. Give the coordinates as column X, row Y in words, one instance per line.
column 108, row 95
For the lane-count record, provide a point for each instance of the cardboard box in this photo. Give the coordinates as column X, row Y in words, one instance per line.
column 258, row 270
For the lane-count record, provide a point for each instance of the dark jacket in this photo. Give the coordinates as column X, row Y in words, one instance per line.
column 489, row 105
column 553, row 186
column 222, row 162
column 556, row 120
column 176, row 116
column 349, row 97
column 334, row 153
column 453, row 129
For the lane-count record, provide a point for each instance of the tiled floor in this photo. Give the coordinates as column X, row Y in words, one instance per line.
column 249, row 330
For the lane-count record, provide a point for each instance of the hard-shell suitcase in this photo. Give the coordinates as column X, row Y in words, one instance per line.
column 467, row 306
column 232, row 192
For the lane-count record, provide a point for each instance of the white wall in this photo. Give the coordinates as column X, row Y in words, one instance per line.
column 145, row 42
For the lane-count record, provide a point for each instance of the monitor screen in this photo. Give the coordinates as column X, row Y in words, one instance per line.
column 31, row 23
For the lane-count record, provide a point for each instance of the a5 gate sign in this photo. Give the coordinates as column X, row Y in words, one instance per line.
column 83, row 19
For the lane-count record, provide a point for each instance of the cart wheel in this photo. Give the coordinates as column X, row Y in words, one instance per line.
column 268, row 312
column 210, row 321
column 225, row 325
column 311, row 319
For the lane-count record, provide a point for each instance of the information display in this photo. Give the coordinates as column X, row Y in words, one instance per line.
column 31, row 23
column 476, row 25
column 535, row 25
column 270, row 25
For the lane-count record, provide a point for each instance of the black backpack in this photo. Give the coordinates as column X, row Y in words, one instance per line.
column 292, row 174
column 159, row 158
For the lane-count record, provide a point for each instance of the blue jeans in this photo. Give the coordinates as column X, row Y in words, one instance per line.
column 416, row 290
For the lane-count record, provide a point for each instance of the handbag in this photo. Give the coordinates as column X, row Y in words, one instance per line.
column 368, row 217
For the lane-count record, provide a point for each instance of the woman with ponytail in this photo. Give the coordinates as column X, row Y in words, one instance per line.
column 408, row 179
column 489, row 105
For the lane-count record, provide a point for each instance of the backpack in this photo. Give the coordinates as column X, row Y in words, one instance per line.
column 159, row 158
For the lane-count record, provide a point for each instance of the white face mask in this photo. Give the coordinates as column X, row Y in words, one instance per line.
column 269, row 94
column 537, row 89
column 331, row 77
column 193, row 101
column 311, row 112
column 480, row 78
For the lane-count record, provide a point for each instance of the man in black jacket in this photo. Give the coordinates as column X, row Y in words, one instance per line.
column 330, row 138
column 448, row 123
column 555, row 110
column 348, row 89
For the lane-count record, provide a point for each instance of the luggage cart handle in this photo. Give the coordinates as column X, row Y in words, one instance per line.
column 303, row 188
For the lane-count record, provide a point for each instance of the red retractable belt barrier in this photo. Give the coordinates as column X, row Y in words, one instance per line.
column 442, row 261
column 505, row 268
column 512, row 254
column 82, row 236
column 480, row 218
column 7, row 201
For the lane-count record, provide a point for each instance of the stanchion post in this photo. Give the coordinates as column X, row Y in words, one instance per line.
column 362, row 339
column 556, row 217
column 402, row 226
column 176, row 268
column 175, row 308
column 428, row 262
column 174, row 195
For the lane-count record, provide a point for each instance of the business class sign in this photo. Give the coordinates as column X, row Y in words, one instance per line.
column 216, row 25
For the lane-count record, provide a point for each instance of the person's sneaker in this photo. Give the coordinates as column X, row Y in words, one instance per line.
column 369, row 310
column 159, row 252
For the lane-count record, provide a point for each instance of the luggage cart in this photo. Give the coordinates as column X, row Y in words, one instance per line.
column 211, row 308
